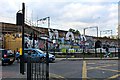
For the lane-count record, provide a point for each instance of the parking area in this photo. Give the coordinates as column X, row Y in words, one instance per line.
column 101, row 69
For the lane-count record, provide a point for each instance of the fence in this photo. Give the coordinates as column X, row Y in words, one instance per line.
column 36, row 70
column 86, row 54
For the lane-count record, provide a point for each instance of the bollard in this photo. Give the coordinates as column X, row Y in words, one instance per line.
column 100, row 53
column 29, row 68
column 115, row 52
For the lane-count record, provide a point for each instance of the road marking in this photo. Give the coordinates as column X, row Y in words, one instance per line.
column 84, row 71
column 56, row 76
column 91, row 63
column 103, row 69
column 100, row 66
column 108, row 70
column 115, row 76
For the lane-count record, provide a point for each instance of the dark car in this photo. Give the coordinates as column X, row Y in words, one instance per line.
column 8, row 57
column 35, row 54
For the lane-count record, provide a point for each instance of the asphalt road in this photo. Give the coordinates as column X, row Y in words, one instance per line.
column 71, row 70
column 67, row 69
column 90, row 69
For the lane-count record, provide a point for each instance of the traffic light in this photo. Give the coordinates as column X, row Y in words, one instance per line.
column 30, row 37
column 19, row 19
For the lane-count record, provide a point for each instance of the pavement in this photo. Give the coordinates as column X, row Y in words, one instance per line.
column 74, row 59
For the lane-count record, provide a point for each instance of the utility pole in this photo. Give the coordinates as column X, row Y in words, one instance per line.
column 22, row 68
column 84, row 44
column 47, row 55
column 23, row 25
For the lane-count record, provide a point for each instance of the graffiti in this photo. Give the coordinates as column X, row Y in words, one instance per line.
column 53, row 34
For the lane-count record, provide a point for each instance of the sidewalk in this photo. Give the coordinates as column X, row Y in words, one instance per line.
column 75, row 59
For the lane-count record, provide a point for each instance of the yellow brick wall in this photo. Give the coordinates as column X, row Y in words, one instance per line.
column 12, row 43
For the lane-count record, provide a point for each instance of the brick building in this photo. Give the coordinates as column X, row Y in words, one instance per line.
column 40, row 31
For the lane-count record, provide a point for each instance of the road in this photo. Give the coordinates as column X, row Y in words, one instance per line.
column 92, row 69
column 70, row 70
column 67, row 69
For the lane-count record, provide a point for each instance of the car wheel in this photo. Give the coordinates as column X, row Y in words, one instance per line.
column 52, row 60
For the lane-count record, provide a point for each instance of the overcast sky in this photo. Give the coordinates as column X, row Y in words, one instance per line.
column 65, row 14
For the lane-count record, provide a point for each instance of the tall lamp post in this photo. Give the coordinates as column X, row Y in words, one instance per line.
column 47, row 55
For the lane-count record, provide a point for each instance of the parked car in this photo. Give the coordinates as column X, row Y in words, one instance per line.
column 35, row 54
column 8, row 57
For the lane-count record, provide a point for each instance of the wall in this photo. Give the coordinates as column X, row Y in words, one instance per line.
column 12, row 43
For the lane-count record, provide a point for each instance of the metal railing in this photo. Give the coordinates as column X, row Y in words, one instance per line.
column 90, row 53
column 36, row 70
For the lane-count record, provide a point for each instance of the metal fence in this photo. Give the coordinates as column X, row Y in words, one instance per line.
column 36, row 70
column 90, row 53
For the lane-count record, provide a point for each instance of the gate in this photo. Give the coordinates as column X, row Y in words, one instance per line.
column 36, row 70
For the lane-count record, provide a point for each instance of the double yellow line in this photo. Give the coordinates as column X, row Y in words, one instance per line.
column 84, row 71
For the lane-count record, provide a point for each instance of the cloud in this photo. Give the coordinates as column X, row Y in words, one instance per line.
column 78, row 11
column 65, row 14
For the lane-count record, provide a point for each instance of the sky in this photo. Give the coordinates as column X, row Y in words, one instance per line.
column 66, row 14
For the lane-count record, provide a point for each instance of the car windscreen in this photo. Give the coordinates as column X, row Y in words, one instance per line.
column 29, row 52
column 39, row 51
column 9, row 51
